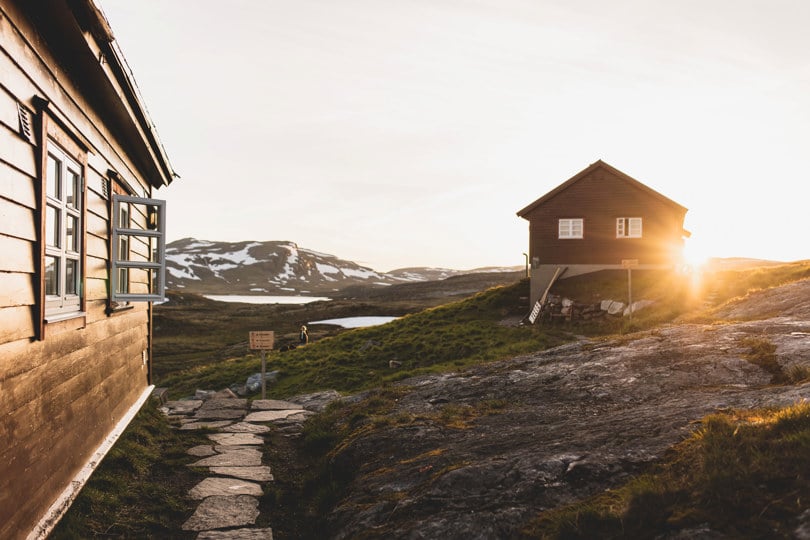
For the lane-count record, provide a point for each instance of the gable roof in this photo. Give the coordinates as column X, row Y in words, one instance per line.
column 599, row 164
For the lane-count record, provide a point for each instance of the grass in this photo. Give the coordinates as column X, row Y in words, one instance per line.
column 443, row 338
column 139, row 489
column 743, row 474
column 730, row 284
column 762, row 352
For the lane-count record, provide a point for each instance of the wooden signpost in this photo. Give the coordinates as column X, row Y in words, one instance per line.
column 262, row 341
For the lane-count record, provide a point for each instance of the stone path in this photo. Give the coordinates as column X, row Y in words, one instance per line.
column 229, row 498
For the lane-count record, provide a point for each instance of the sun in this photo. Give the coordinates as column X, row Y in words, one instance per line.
column 696, row 254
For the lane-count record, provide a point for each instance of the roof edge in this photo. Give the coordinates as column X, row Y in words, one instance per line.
column 101, row 30
column 587, row 170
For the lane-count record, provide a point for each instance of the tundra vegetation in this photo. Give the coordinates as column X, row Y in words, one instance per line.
column 739, row 471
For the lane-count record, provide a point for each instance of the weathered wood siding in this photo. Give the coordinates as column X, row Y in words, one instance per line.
column 599, row 198
column 60, row 395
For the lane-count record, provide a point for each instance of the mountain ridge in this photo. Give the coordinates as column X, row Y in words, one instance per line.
column 281, row 267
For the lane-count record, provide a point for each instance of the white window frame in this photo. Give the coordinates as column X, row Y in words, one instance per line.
column 570, row 228
column 628, row 227
column 60, row 303
column 155, row 210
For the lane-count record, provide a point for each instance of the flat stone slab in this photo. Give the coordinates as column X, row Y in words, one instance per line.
column 272, row 416
column 225, row 403
column 220, row 512
column 235, row 439
column 225, row 448
column 206, row 425
column 257, row 474
column 299, row 417
column 244, row 427
column 224, row 486
column 244, row 457
column 219, row 414
column 272, row 405
column 237, row 534
column 203, row 450
column 183, row 407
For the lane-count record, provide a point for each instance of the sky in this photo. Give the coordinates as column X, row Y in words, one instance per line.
column 399, row 133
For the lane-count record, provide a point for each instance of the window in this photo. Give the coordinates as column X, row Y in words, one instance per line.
column 63, row 194
column 628, row 227
column 570, row 228
column 121, row 250
column 139, row 261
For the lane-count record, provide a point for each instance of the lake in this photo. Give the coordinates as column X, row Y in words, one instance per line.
column 259, row 299
column 356, row 322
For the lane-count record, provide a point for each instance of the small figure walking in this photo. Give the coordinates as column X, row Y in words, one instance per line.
column 303, row 337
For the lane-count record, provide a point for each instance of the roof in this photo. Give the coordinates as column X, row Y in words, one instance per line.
column 599, row 164
column 81, row 38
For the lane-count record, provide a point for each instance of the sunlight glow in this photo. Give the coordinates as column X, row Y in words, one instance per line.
column 696, row 254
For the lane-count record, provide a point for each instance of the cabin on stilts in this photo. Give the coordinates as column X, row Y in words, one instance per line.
column 601, row 219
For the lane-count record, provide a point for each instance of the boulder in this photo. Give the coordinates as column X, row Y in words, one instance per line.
column 254, row 382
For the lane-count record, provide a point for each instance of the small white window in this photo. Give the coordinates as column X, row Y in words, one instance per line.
column 570, row 228
column 628, row 227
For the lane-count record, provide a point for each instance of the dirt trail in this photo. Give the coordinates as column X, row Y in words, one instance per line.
column 561, row 424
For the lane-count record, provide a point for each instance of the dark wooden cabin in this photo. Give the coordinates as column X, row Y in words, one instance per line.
column 599, row 219
column 81, row 253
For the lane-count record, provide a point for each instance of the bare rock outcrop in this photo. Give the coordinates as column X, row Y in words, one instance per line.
column 560, row 425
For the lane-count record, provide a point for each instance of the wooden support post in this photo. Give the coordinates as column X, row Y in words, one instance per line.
column 264, row 373
column 630, row 264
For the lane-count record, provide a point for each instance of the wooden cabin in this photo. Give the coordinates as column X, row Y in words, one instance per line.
column 81, row 253
column 601, row 219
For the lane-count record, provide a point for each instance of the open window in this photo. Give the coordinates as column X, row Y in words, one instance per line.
column 628, row 227
column 138, row 262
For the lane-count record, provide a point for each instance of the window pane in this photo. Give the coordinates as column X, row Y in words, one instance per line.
column 71, row 276
column 123, row 280
column 51, row 276
column 54, row 178
column 635, row 227
column 52, row 235
column 123, row 248
column 71, row 234
column 576, row 228
column 123, row 218
column 72, row 187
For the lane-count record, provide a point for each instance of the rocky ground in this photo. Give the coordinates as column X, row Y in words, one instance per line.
column 478, row 454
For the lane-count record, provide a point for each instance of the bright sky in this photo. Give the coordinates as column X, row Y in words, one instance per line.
column 408, row 132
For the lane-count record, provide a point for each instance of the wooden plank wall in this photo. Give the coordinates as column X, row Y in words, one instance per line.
column 61, row 396
column 599, row 199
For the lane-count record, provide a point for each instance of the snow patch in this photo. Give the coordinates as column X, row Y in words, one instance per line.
column 326, row 268
column 362, row 273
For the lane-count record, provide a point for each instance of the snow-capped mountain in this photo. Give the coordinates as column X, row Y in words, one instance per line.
column 275, row 268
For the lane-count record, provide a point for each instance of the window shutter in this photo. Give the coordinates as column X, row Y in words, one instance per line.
column 150, row 267
column 635, row 227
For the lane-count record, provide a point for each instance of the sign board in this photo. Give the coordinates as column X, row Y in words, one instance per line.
column 262, row 340
column 629, row 263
